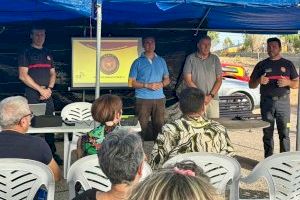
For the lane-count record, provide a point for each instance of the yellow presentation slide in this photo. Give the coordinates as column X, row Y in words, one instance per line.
column 117, row 55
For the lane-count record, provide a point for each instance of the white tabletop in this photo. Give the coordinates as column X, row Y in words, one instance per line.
column 79, row 127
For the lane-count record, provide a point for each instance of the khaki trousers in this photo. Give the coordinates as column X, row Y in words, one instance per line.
column 212, row 109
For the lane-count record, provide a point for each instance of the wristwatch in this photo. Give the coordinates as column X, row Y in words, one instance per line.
column 212, row 95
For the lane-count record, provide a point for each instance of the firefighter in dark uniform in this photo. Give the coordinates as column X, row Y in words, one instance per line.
column 276, row 76
column 37, row 72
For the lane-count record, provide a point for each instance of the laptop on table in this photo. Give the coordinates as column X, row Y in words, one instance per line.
column 38, row 109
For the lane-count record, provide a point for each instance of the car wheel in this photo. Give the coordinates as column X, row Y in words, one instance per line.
column 248, row 97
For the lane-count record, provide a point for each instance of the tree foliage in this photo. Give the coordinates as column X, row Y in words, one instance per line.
column 227, row 43
column 292, row 42
column 253, row 43
column 214, row 37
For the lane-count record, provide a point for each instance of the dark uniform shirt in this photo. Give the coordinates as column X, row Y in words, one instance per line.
column 17, row 145
column 274, row 69
column 39, row 63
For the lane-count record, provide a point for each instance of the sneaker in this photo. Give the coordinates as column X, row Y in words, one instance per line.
column 58, row 160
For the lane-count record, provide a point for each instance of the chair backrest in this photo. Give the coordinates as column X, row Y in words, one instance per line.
column 76, row 112
column 282, row 173
column 222, row 170
column 88, row 173
column 21, row 179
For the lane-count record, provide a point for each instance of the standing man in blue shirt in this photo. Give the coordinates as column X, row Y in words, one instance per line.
column 148, row 75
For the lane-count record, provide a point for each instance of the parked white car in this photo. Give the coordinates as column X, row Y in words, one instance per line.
column 237, row 87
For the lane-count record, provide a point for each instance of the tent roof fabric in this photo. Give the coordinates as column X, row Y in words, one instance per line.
column 32, row 10
column 269, row 16
column 235, row 18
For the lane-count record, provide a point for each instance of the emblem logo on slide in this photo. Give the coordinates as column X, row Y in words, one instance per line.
column 109, row 64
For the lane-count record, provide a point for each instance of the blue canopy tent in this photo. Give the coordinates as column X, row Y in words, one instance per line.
column 238, row 16
column 251, row 16
column 256, row 16
column 33, row 10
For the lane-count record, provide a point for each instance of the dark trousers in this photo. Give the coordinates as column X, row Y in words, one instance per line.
column 33, row 97
column 154, row 108
column 276, row 108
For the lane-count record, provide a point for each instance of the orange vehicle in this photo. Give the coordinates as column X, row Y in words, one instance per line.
column 234, row 71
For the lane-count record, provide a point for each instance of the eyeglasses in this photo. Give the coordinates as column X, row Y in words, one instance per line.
column 30, row 114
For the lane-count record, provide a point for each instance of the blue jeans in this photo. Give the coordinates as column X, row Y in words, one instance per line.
column 41, row 194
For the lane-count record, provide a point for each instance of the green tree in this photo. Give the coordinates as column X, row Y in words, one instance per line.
column 292, row 41
column 227, row 43
column 214, row 37
column 253, row 42
column 248, row 44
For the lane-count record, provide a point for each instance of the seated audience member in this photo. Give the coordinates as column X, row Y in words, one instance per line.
column 190, row 133
column 182, row 181
column 15, row 118
column 107, row 110
column 121, row 159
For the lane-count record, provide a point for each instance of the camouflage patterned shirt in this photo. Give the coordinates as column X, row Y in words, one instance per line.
column 190, row 134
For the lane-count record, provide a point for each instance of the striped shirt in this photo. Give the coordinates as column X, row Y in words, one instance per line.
column 190, row 134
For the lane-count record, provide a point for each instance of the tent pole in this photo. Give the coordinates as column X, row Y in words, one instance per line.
column 202, row 20
column 298, row 122
column 98, row 49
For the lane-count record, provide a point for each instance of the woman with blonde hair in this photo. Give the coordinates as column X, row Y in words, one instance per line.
column 182, row 181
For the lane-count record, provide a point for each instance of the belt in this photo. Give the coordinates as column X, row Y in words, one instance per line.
column 275, row 98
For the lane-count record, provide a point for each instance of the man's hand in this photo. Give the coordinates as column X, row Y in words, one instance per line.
column 283, row 82
column 263, row 80
column 207, row 99
column 45, row 93
column 154, row 86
